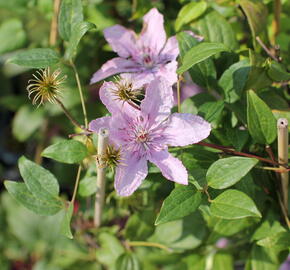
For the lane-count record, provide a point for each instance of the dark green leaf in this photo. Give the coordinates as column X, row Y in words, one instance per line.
column 65, row 224
column 215, row 28
column 190, row 12
column 237, row 137
column 12, row 35
column 23, row 129
column 66, row 151
column 35, row 58
column 78, row 31
column 37, row 204
column 88, row 186
column 199, row 53
column 279, row 241
column 228, row 171
column 38, row 179
column 234, row 80
column 128, row 261
column 181, row 202
column 261, row 121
column 211, row 111
column 71, row 13
column 277, row 73
column 234, row 204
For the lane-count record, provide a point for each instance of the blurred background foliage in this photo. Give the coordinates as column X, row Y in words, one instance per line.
column 28, row 241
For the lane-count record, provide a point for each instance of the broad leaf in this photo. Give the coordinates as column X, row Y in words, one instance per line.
column 71, row 13
column 261, row 121
column 181, row 202
column 190, row 12
column 38, row 204
column 78, row 31
column 234, row 204
column 279, row 241
column 128, row 261
column 228, row 171
column 211, row 111
column 35, row 58
column 199, row 53
column 277, row 73
column 88, row 186
column 65, row 224
column 66, row 151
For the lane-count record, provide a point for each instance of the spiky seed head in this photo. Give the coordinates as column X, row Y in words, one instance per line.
column 111, row 158
column 45, row 86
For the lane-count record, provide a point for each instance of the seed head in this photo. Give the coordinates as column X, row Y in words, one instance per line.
column 45, row 86
column 111, row 158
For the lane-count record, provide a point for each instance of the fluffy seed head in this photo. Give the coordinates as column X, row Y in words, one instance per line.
column 45, row 86
column 111, row 158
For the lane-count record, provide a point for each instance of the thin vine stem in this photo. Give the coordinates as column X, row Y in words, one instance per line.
column 147, row 244
column 76, row 184
column 178, row 95
column 80, row 92
column 233, row 152
column 68, row 115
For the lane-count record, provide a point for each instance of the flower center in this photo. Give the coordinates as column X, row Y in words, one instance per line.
column 142, row 137
column 147, row 60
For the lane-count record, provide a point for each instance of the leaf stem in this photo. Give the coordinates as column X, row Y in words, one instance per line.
column 80, row 92
column 178, row 94
column 148, row 244
column 54, row 23
column 276, row 21
column 103, row 140
column 69, row 116
column 233, row 152
column 267, row 50
column 76, row 184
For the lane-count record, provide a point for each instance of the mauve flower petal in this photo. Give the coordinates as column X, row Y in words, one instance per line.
column 130, row 175
column 168, row 72
column 171, row 49
column 185, row 128
column 122, row 40
column 171, row 167
column 111, row 101
column 158, row 101
column 97, row 124
column 114, row 66
column 153, row 34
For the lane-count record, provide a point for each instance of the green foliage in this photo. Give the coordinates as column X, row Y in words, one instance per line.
column 66, row 151
column 228, row 171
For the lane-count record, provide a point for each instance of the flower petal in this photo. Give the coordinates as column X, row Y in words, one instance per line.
column 171, row 49
column 112, row 102
column 97, row 124
column 114, row 66
column 122, row 40
column 171, row 167
column 130, row 175
column 168, row 71
column 158, row 101
column 153, row 34
column 185, row 128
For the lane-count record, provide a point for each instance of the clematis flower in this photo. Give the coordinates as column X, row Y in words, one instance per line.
column 144, row 135
column 148, row 54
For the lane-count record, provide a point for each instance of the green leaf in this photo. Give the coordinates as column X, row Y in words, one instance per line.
column 65, row 224
column 228, row 171
column 279, row 241
column 10, row 42
column 38, row 205
column 211, row 111
column 35, row 58
column 234, row 204
column 234, row 79
column 199, row 53
column 128, row 261
column 215, row 28
column 78, row 31
column 181, row 202
column 70, row 14
column 237, row 137
column 261, row 121
column 88, row 186
column 38, row 180
column 277, row 73
column 256, row 13
column 223, row 261
column 23, row 129
column 66, row 151
column 190, row 12
column 203, row 73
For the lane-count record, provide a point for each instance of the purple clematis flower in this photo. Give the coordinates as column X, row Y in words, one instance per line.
column 144, row 134
column 148, row 53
